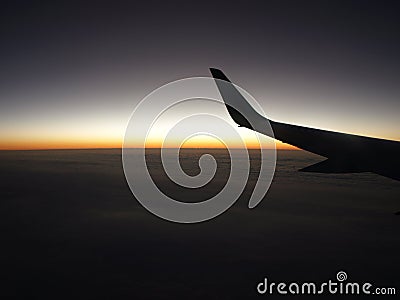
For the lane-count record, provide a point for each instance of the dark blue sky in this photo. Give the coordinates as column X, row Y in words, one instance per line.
column 74, row 70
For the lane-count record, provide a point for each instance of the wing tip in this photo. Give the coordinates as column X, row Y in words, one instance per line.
column 218, row 74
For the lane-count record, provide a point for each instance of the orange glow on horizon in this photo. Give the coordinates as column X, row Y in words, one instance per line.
column 48, row 144
column 56, row 145
column 212, row 143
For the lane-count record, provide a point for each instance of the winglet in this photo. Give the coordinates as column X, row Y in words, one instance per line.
column 218, row 74
column 238, row 107
column 227, row 91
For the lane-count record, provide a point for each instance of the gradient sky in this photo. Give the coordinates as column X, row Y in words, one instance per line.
column 71, row 72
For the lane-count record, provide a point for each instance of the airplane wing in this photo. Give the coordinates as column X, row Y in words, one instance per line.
column 345, row 153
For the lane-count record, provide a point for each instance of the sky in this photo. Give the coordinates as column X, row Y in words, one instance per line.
column 72, row 72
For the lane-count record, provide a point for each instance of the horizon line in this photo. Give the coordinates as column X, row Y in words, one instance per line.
column 120, row 148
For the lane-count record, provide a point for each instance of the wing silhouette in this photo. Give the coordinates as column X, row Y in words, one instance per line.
column 345, row 153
